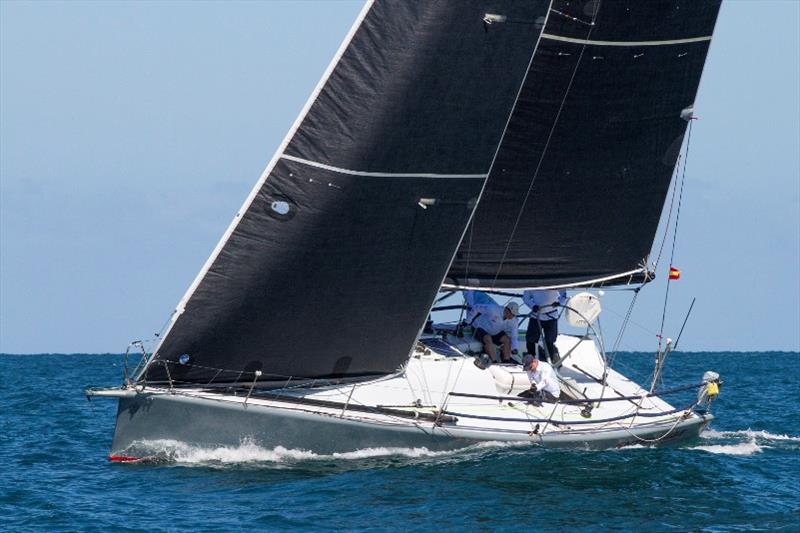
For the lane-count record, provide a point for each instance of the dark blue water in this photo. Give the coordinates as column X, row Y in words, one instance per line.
column 741, row 475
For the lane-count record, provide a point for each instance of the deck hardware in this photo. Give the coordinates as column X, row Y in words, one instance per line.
column 280, row 207
column 257, row 373
column 425, row 203
column 491, row 18
column 169, row 377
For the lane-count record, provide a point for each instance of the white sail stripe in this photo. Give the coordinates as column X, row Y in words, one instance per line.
column 624, row 43
column 349, row 172
column 264, row 175
column 586, row 283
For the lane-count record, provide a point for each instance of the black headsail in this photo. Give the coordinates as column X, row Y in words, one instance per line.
column 331, row 265
column 577, row 189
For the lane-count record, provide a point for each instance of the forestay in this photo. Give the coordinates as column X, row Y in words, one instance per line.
column 580, row 179
column 330, row 267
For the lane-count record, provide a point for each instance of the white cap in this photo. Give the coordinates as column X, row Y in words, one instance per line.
column 513, row 307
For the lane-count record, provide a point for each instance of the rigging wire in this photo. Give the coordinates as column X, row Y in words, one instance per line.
column 623, row 328
column 675, row 236
column 685, row 320
column 546, row 146
column 631, row 321
column 575, row 19
column 444, row 297
column 669, row 215
column 466, row 271
column 446, row 392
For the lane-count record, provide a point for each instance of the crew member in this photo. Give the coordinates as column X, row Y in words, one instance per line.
column 495, row 324
column 544, row 304
column 544, row 380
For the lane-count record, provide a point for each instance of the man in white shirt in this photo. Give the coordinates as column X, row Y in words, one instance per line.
column 544, row 319
column 544, row 380
column 495, row 324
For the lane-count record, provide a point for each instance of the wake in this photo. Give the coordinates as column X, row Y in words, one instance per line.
column 737, row 443
column 748, row 433
column 248, row 452
column 742, row 442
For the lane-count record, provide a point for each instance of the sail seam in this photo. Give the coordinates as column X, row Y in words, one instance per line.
column 369, row 174
column 552, row 37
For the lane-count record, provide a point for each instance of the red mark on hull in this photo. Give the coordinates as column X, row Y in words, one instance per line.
column 122, row 459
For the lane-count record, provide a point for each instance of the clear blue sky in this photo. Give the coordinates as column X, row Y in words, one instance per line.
column 130, row 133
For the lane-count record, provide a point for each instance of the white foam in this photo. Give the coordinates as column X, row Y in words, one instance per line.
column 743, row 448
column 634, row 447
column 245, row 452
column 501, row 444
column 749, row 441
column 749, row 434
column 421, row 452
column 368, row 453
column 249, row 452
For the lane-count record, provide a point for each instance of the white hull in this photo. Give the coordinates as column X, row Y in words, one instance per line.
column 419, row 407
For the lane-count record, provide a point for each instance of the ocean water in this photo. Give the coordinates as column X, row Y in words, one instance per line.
column 742, row 474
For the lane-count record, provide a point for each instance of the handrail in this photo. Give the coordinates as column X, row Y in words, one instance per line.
column 571, row 422
column 127, row 375
column 579, row 402
column 243, row 377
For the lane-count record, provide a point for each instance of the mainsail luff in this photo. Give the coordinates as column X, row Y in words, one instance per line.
column 355, row 221
column 583, row 171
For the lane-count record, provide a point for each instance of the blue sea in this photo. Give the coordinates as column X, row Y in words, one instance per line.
column 743, row 474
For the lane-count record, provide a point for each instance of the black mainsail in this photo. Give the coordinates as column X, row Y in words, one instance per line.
column 330, row 267
column 577, row 189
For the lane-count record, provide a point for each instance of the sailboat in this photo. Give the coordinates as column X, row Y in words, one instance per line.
column 470, row 145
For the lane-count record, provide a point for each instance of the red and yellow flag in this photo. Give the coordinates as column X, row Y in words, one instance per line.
column 674, row 273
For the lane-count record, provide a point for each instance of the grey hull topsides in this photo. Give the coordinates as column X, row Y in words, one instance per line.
column 203, row 422
column 145, row 418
